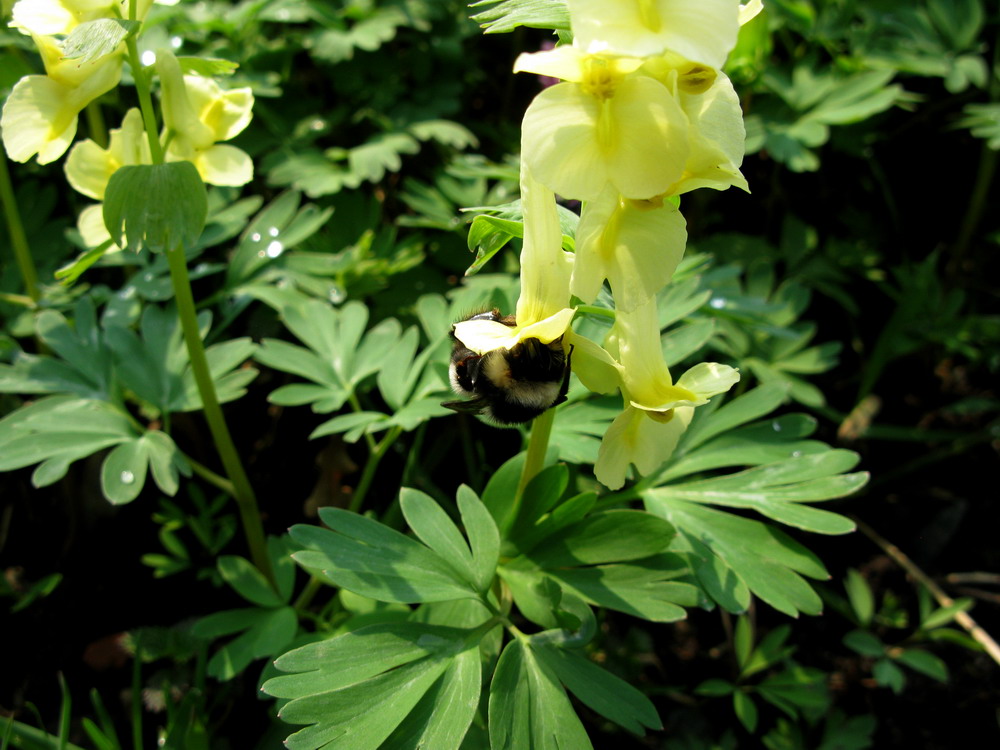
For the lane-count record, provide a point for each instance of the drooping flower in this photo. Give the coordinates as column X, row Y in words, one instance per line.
column 89, row 167
column 635, row 439
column 703, row 31
column 635, row 245
column 606, row 124
column 197, row 114
column 40, row 114
column 657, row 410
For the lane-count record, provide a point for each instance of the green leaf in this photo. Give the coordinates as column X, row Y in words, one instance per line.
column 760, row 401
column 643, row 588
column 610, row 536
column 501, row 490
column 746, row 710
column 860, row 595
column 778, row 490
column 435, row 529
column 797, row 689
column 270, row 631
column 748, row 552
column 714, row 688
column 57, row 431
column 924, row 662
column 207, row 67
column 889, row 675
column 158, row 206
column 528, row 707
column 357, row 689
column 540, row 496
column 743, row 641
column 771, row 649
column 865, row 643
column 247, row 581
column 598, row 689
column 370, row 559
column 944, row 615
column 93, row 39
column 123, row 472
column 501, row 17
column 484, row 538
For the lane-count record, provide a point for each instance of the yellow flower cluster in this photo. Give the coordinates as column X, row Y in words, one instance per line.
column 40, row 115
column 643, row 114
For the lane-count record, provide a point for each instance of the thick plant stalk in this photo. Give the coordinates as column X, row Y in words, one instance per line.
column 15, row 229
column 246, row 501
column 534, row 461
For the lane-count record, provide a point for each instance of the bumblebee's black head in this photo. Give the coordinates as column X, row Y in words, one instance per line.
column 509, row 386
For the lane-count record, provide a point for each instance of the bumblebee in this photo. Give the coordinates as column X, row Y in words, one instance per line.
column 509, row 386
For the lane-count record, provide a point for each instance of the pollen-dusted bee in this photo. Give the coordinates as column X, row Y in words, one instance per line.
column 509, row 386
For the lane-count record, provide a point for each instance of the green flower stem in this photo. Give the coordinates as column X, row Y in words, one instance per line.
column 356, row 405
column 308, row 593
column 253, row 528
column 145, row 101
column 370, row 466
column 15, row 230
column 95, row 124
column 211, row 477
column 601, row 312
column 538, row 445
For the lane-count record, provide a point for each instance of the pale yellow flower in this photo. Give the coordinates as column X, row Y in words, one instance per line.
column 40, row 114
column 605, row 125
column 703, row 31
column 89, row 167
column 635, row 245
column 635, row 439
column 197, row 114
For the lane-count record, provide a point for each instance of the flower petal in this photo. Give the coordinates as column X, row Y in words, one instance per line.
column 633, row 438
column 224, row 165
column 91, row 226
column 562, row 62
column 559, row 142
column 545, row 267
column 717, row 139
column 483, row 336
column 597, row 369
column 37, row 120
column 708, row 379
column 703, row 31
column 636, row 245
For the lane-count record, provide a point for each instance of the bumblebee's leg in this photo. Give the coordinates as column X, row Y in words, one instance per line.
column 564, row 388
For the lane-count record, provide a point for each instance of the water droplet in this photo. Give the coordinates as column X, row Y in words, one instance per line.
column 148, row 276
column 127, row 477
column 148, row 58
column 337, row 295
column 274, row 249
column 127, row 293
column 273, row 231
column 261, row 254
column 796, row 454
column 176, row 42
column 717, row 302
column 255, row 237
column 776, row 426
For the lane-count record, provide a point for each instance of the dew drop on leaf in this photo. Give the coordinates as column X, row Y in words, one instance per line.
column 127, row 477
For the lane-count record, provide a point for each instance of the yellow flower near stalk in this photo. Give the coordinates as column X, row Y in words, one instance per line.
column 657, row 409
column 197, row 113
column 606, row 124
column 703, row 31
column 40, row 114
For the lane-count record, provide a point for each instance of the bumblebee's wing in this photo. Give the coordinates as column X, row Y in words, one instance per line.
column 467, row 406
